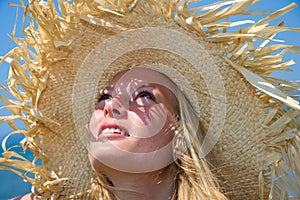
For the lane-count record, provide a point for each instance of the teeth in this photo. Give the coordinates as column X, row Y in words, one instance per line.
column 105, row 130
column 114, row 130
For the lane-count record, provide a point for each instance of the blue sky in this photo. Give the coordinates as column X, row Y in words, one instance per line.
column 11, row 185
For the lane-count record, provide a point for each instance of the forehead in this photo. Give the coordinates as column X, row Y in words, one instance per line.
column 140, row 76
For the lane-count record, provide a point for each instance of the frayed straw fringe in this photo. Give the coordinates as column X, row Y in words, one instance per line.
column 27, row 81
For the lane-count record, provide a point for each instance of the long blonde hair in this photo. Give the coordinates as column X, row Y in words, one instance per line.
column 194, row 179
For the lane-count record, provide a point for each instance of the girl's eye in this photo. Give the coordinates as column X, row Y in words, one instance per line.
column 145, row 98
column 146, row 94
column 104, row 97
column 102, row 100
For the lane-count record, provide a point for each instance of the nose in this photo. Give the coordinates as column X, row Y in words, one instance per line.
column 115, row 108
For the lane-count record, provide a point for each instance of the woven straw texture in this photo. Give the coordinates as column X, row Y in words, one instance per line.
column 259, row 142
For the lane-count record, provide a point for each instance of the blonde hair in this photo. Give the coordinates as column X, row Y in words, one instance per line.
column 194, row 179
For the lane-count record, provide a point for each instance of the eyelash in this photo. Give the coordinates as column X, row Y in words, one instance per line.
column 145, row 92
column 140, row 94
column 103, row 97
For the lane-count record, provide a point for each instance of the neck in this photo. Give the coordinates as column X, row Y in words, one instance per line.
column 157, row 185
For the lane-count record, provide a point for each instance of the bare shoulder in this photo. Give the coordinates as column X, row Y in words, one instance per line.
column 30, row 196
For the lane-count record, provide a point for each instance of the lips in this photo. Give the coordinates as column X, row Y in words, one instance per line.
column 109, row 129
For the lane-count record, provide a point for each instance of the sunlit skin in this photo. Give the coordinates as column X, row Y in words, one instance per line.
column 140, row 107
column 140, row 103
column 146, row 114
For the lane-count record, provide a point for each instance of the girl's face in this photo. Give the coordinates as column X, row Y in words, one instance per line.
column 133, row 124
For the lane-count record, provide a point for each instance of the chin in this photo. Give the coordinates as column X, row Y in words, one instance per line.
column 130, row 162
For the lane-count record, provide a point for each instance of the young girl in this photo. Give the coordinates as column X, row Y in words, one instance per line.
column 137, row 132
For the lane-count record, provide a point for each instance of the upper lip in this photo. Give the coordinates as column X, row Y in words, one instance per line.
column 112, row 125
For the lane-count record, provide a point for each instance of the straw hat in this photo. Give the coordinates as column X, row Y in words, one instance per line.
column 59, row 66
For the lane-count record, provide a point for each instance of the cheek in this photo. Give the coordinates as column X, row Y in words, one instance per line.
column 140, row 115
column 164, row 136
column 97, row 116
column 151, row 137
column 148, row 122
column 94, row 121
column 154, row 143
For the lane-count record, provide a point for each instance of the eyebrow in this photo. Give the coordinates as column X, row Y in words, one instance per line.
column 110, row 89
column 145, row 86
column 107, row 88
column 150, row 85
